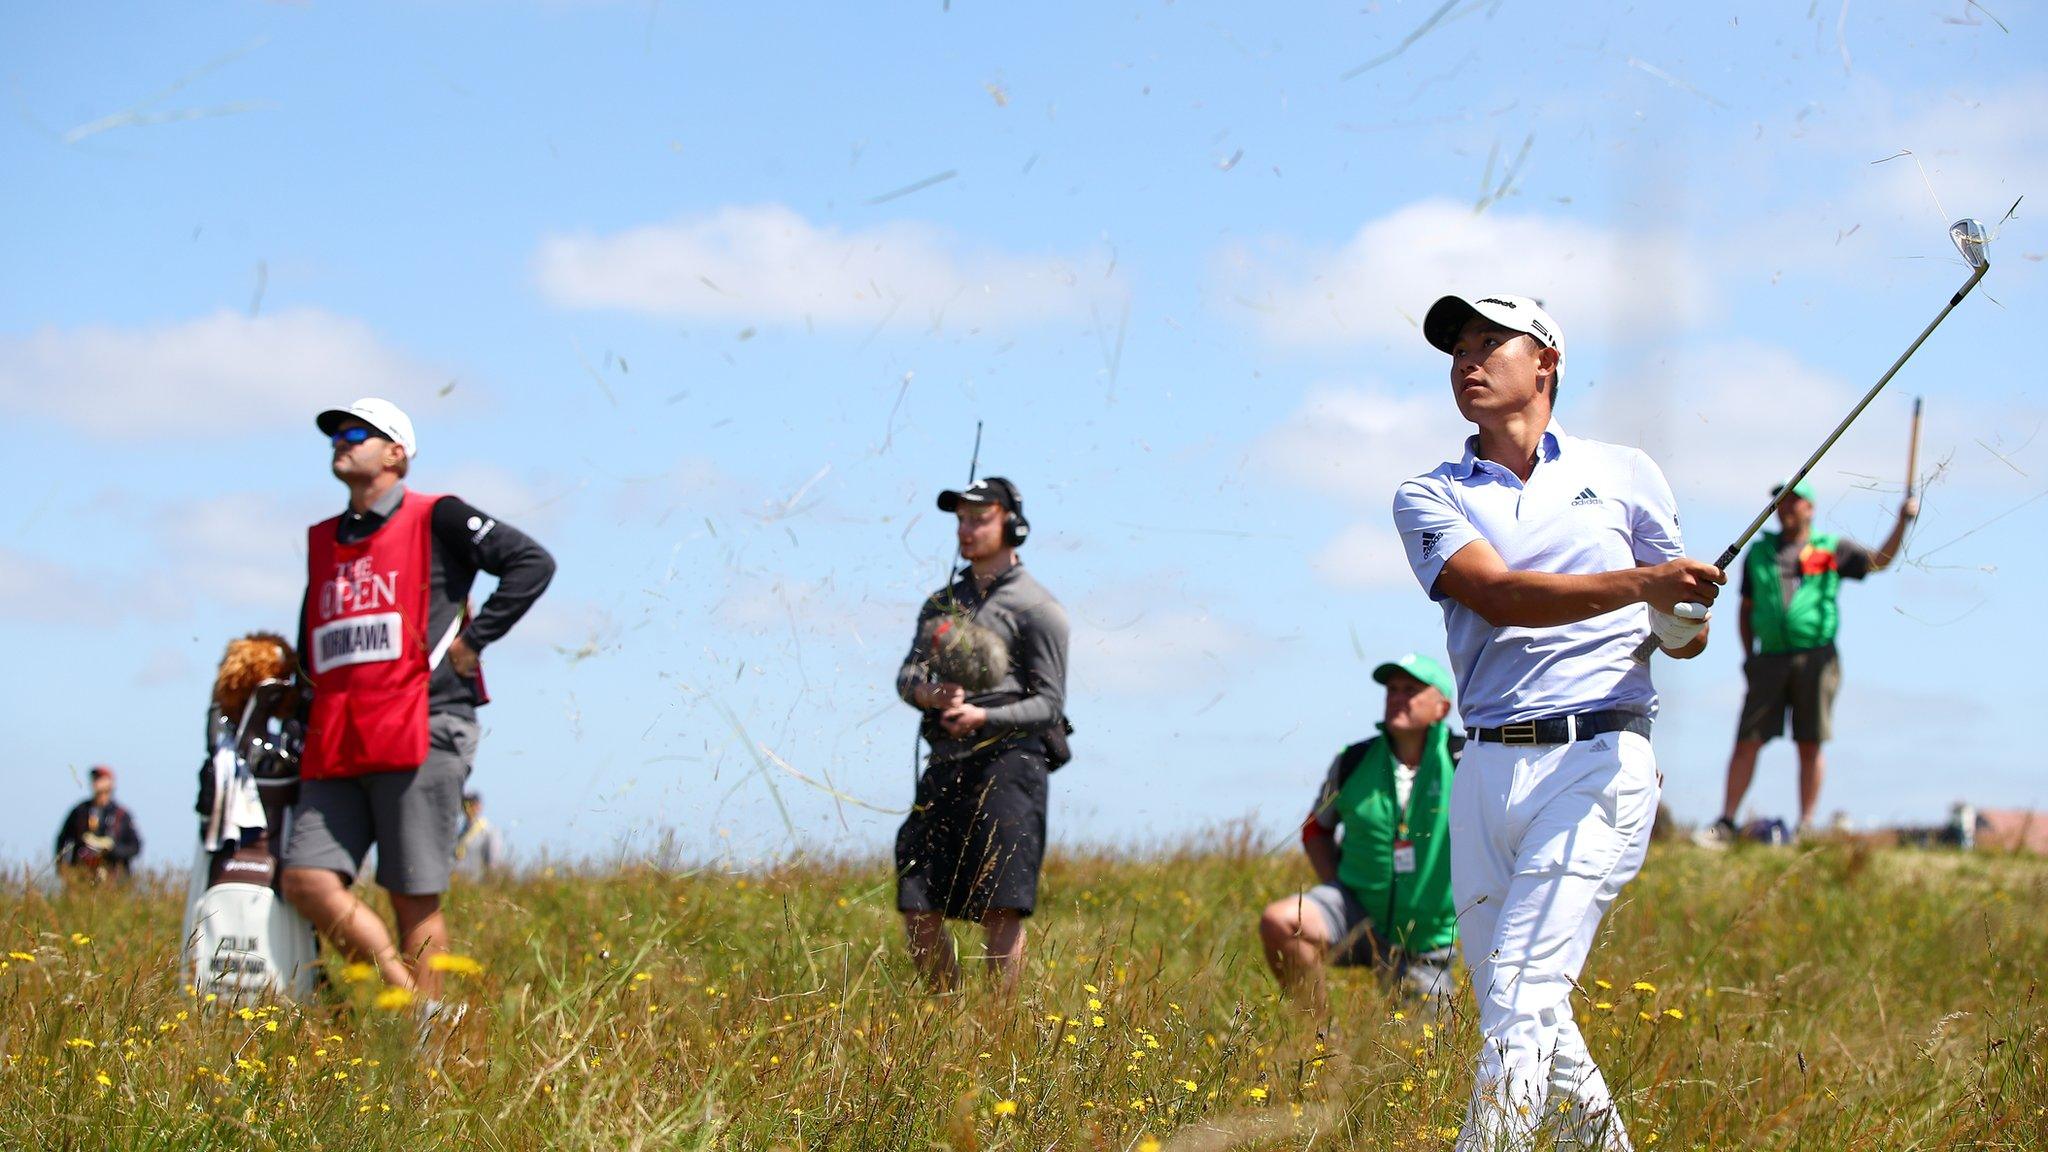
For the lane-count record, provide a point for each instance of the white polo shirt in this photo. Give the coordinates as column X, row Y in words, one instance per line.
column 1588, row 507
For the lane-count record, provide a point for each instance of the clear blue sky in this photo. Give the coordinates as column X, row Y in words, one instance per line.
column 659, row 284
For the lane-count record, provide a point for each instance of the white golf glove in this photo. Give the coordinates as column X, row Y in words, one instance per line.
column 1676, row 631
column 1680, row 630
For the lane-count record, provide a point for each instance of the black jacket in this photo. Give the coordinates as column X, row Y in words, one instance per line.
column 112, row 822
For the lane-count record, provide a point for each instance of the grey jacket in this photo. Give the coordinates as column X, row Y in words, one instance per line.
column 1020, row 610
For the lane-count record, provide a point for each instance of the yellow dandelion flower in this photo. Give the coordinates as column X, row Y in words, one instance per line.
column 105, row 1081
column 1604, row 1006
column 1148, row 1144
column 1256, row 1093
column 1090, row 989
column 451, row 962
column 641, row 977
column 1604, row 985
column 1644, row 1016
column 80, row 939
column 1188, row 1085
column 1675, row 1013
column 24, row 957
column 1097, row 1021
column 393, row 999
column 270, row 1025
column 1642, row 986
column 79, row 1042
column 358, row 972
column 1094, row 1005
column 1004, row 1108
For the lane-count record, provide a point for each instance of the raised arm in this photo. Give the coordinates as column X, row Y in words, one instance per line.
column 1882, row 558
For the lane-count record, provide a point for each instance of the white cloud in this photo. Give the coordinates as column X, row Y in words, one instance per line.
column 33, row 588
column 226, row 372
column 1366, row 554
column 1357, row 444
column 1979, row 155
column 1723, row 421
column 1151, row 636
column 766, row 262
column 1377, row 286
column 243, row 550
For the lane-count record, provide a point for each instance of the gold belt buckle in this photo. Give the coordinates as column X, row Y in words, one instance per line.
column 1523, row 733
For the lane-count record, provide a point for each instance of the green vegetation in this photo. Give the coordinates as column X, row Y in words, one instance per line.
column 1828, row 998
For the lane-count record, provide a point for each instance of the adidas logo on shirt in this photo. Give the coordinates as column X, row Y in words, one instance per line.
column 1585, row 496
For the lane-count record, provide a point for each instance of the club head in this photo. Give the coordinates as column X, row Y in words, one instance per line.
column 1971, row 238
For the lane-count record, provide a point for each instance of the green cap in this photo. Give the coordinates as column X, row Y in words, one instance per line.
column 1803, row 489
column 1422, row 668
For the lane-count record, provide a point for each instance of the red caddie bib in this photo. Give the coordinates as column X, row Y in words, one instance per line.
column 367, row 646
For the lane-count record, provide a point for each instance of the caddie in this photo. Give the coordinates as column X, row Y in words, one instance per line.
column 1790, row 581
column 1543, row 549
column 1383, row 892
column 971, row 847
column 391, row 652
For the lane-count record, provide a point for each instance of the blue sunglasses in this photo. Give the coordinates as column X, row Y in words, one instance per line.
column 353, row 436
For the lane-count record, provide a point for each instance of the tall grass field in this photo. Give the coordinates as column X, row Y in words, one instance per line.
column 1829, row 997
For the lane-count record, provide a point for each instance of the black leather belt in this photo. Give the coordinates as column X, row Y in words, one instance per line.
column 1563, row 729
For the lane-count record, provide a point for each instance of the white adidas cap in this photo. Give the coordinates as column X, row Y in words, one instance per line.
column 1448, row 315
column 382, row 415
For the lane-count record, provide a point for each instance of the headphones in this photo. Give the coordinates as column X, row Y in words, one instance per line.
column 1016, row 529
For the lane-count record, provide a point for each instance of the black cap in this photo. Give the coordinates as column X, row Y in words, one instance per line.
column 987, row 490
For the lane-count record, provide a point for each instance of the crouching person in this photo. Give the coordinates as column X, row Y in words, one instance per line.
column 1384, row 892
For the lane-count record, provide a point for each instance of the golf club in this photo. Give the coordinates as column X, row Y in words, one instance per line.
column 1971, row 239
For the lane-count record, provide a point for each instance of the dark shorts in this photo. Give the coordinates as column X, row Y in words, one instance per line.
column 413, row 818
column 975, row 836
column 1803, row 682
column 1354, row 941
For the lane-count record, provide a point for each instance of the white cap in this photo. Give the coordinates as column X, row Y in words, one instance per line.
column 383, row 415
column 1448, row 315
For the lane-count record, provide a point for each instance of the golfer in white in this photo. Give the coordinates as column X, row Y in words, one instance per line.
column 1543, row 549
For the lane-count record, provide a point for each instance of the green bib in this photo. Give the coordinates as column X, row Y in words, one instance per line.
column 1810, row 619
column 1414, row 910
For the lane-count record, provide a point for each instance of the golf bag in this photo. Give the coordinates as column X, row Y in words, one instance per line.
column 243, row 940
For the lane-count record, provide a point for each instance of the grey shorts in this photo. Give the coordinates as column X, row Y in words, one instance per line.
column 1803, row 683
column 413, row 818
column 1426, row 975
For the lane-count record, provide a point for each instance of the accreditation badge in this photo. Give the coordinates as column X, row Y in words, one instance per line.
column 1404, row 856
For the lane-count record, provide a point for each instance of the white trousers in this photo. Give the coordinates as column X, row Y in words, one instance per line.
column 1543, row 837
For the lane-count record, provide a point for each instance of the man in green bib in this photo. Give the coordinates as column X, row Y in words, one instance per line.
column 1384, row 897
column 1790, row 581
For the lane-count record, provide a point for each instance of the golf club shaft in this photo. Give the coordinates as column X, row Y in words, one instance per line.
column 1649, row 645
